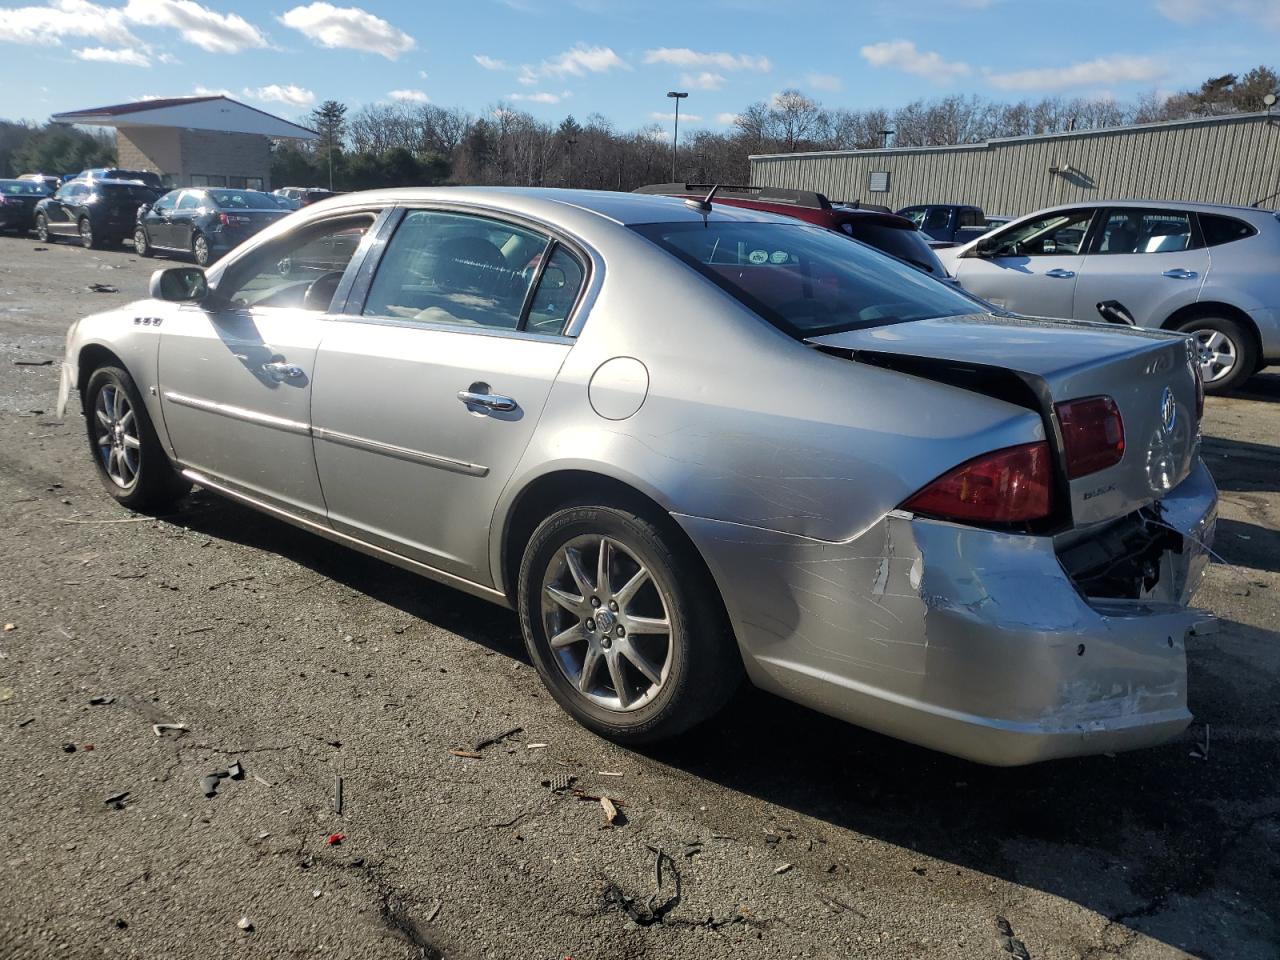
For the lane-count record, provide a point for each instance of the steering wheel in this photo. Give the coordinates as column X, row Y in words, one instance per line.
column 320, row 291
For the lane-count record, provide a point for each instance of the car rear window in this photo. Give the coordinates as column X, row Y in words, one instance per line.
column 806, row 280
column 1218, row 229
column 243, row 200
column 120, row 191
column 902, row 242
column 22, row 188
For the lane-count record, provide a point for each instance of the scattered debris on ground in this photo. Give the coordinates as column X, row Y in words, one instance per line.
column 337, row 794
column 103, row 288
column 159, row 728
column 116, row 800
column 610, row 811
column 245, row 924
column 495, row 738
column 33, row 363
column 468, row 754
column 334, row 839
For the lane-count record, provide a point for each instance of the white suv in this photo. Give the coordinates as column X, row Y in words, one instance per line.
column 1211, row 271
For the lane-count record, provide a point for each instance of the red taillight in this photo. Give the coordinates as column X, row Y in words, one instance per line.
column 1092, row 434
column 1012, row 485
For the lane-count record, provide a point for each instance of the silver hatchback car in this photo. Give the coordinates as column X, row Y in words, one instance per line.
column 688, row 441
column 1204, row 269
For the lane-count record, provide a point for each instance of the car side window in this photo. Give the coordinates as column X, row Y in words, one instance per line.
column 557, row 292
column 301, row 269
column 936, row 218
column 456, row 268
column 1218, row 229
column 1055, row 234
column 189, row 201
column 914, row 214
column 165, row 203
column 1145, row 231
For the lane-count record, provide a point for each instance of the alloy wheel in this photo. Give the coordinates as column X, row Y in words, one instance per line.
column 42, row 229
column 200, row 248
column 116, row 433
column 607, row 622
column 86, row 232
column 1218, row 354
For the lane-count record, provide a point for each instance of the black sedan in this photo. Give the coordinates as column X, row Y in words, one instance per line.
column 203, row 222
column 18, row 199
column 99, row 212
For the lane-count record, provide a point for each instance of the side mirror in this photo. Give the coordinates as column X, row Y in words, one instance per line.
column 179, row 285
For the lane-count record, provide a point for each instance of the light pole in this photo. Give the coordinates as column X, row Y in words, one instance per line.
column 884, row 138
column 677, row 96
column 570, row 144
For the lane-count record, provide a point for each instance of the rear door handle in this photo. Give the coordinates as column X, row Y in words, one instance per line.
column 1177, row 273
column 279, row 370
column 489, row 401
column 1059, row 274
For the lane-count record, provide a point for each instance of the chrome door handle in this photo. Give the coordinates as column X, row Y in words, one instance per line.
column 1177, row 273
column 1059, row 274
column 280, row 370
column 490, row 401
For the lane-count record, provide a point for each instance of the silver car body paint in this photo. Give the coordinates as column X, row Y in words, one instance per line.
column 784, row 463
column 1240, row 274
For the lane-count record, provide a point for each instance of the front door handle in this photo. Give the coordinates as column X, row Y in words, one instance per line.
column 1177, row 273
column 279, row 370
column 1059, row 274
column 489, row 401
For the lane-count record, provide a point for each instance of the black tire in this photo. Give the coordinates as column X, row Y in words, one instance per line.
column 200, row 249
column 141, row 243
column 701, row 665
column 88, row 236
column 152, row 483
column 1235, row 338
column 42, row 229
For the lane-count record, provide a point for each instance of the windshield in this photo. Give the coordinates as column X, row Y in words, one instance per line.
column 121, row 191
column 806, row 280
column 243, row 200
column 23, row 188
column 903, row 243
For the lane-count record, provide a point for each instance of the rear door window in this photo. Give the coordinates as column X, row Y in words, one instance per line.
column 557, row 292
column 1146, row 231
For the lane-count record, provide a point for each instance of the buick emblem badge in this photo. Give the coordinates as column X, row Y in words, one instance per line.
column 1168, row 411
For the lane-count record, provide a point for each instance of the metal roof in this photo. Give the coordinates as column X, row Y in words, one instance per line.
column 219, row 113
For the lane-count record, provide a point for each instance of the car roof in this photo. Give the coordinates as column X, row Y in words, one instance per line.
column 554, row 203
column 1164, row 204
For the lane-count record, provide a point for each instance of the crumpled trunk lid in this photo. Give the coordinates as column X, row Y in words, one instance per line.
column 1150, row 374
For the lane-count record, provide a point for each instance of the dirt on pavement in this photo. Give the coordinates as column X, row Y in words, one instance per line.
column 778, row 832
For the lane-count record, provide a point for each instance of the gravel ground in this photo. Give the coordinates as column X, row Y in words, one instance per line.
column 788, row 834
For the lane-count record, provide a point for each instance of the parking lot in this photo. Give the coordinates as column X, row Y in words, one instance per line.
column 771, row 832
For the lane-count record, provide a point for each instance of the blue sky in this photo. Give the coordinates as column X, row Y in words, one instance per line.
column 617, row 57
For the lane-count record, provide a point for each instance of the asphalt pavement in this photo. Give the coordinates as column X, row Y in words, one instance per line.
column 773, row 832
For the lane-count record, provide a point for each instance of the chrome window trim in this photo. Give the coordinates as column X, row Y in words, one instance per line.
column 401, row 453
column 378, row 321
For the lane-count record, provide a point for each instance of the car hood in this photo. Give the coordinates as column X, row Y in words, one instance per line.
column 1145, row 371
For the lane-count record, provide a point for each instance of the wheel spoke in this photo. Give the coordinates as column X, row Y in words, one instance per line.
column 1215, row 341
column 568, row 637
column 641, row 663
column 603, row 560
column 617, row 676
column 571, row 603
column 574, row 562
column 118, row 412
column 629, row 589
column 647, row 625
column 133, row 443
column 590, row 661
column 127, row 419
column 103, row 417
column 104, row 439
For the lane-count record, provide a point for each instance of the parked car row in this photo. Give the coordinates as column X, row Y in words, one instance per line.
column 691, row 441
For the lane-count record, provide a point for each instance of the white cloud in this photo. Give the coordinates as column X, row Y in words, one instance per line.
column 294, row 96
column 198, row 25
column 726, row 119
column 671, row 116
column 540, row 97
column 702, row 81
column 47, row 25
column 349, row 28
column 489, row 63
column 684, row 57
column 577, row 62
column 1265, row 12
column 824, row 81
column 409, row 96
column 203, row 91
column 131, row 58
column 903, row 55
column 1099, row 72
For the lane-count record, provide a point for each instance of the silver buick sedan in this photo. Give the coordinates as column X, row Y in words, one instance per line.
column 689, row 442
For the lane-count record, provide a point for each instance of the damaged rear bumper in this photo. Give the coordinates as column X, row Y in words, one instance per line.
column 974, row 642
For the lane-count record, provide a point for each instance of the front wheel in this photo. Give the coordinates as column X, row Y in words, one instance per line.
column 1228, row 356
column 132, row 464
column 42, row 229
column 200, row 250
column 624, row 624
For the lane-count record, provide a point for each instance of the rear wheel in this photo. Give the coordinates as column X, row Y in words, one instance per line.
column 140, row 242
column 42, row 229
column 132, row 464
column 200, row 249
column 88, row 238
column 1228, row 356
column 624, row 624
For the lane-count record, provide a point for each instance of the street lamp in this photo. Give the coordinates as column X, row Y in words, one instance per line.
column 885, row 135
column 677, row 96
column 570, row 142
